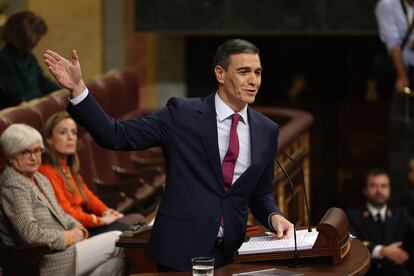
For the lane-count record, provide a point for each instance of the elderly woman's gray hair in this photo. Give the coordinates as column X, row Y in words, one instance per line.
column 18, row 137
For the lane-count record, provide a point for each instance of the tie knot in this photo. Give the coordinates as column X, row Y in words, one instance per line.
column 235, row 118
column 378, row 217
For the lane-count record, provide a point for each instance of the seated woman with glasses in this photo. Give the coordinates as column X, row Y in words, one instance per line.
column 30, row 214
column 61, row 167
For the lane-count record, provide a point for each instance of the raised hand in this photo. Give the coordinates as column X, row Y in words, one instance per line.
column 67, row 73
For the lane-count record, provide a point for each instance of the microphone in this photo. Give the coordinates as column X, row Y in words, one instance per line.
column 304, row 188
column 296, row 263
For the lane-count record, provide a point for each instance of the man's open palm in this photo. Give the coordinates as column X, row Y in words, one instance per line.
column 67, row 73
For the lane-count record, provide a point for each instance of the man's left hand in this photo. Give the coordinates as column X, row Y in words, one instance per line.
column 282, row 227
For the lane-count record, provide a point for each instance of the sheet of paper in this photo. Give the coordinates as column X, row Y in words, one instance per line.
column 265, row 244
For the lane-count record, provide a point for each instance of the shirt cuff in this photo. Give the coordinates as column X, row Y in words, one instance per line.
column 376, row 252
column 79, row 98
column 269, row 220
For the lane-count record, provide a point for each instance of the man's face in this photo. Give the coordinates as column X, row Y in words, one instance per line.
column 239, row 84
column 377, row 190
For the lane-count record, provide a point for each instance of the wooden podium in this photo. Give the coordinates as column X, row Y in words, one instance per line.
column 348, row 256
column 333, row 241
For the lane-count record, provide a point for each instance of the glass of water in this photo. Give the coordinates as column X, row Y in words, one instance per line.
column 203, row 266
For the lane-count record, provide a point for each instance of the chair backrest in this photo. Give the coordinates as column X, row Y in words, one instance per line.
column 22, row 114
column 129, row 79
column 87, row 165
column 60, row 96
column 100, row 92
column 46, row 106
column 117, row 93
column 102, row 159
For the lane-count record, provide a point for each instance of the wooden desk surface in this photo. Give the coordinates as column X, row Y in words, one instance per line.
column 355, row 263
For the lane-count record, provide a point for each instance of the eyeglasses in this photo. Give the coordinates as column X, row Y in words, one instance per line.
column 28, row 153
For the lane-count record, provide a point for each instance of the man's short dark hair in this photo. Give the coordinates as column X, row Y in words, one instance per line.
column 232, row 47
column 375, row 172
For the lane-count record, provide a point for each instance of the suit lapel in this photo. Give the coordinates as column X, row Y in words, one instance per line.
column 390, row 226
column 255, row 134
column 207, row 123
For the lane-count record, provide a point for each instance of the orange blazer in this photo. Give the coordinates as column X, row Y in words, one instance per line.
column 73, row 203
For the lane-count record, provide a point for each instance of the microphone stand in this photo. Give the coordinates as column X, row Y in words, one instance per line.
column 295, row 263
column 304, row 189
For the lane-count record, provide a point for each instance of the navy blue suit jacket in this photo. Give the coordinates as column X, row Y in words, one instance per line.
column 189, row 215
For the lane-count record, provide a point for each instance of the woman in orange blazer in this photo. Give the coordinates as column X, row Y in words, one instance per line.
column 62, row 168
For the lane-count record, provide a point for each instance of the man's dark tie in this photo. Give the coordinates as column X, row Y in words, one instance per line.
column 380, row 227
column 378, row 218
column 230, row 159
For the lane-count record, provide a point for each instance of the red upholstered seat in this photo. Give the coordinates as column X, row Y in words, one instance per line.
column 129, row 79
column 109, row 177
column 117, row 92
column 22, row 114
column 87, row 168
column 61, row 97
column 100, row 92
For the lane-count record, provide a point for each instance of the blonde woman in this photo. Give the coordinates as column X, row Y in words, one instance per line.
column 61, row 167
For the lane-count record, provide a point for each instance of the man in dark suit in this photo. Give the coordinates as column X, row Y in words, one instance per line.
column 219, row 157
column 386, row 231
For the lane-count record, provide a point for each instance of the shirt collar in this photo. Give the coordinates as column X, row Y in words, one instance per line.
column 374, row 211
column 224, row 111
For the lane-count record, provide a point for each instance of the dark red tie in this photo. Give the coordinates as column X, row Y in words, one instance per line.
column 230, row 159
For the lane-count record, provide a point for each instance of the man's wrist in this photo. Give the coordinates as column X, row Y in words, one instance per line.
column 78, row 89
column 79, row 98
column 269, row 220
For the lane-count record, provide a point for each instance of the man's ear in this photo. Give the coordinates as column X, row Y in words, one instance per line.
column 219, row 72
